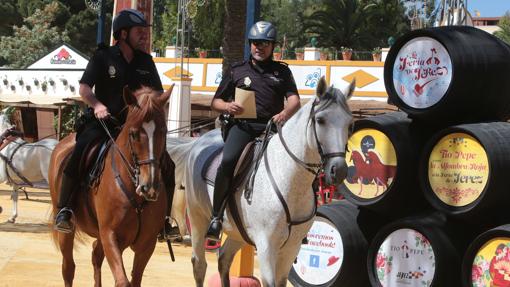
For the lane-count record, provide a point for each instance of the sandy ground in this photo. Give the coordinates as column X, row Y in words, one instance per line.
column 28, row 256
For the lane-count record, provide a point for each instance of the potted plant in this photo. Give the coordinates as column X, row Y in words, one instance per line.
column 277, row 53
column 377, row 54
column 202, row 53
column 346, row 53
column 300, row 53
column 324, row 52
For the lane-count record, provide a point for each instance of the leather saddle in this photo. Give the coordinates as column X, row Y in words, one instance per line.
column 92, row 162
column 243, row 167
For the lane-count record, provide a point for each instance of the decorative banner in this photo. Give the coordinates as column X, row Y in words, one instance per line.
column 406, row 259
column 458, row 169
column 422, row 72
column 491, row 266
column 319, row 261
column 372, row 163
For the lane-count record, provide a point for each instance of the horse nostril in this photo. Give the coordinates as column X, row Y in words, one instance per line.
column 333, row 171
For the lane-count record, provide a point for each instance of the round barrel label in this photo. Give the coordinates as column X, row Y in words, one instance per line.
column 422, row 72
column 319, row 261
column 372, row 164
column 406, row 259
column 458, row 169
column 491, row 266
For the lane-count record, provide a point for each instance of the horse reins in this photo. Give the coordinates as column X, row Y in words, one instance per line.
column 308, row 166
column 134, row 174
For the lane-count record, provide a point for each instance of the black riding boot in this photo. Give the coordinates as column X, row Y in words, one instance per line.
column 63, row 222
column 168, row 175
column 221, row 188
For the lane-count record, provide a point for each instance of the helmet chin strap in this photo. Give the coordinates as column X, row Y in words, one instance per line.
column 128, row 42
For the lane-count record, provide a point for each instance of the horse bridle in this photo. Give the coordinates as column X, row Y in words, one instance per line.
column 310, row 167
column 313, row 168
column 134, row 170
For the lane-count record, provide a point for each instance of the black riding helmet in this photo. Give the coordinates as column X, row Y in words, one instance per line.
column 262, row 30
column 126, row 19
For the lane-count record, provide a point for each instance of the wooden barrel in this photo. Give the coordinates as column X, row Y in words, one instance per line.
column 464, row 170
column 335, row 254
column 487, row 260
column 455, row 74
column 382, row 158
column 415, row 251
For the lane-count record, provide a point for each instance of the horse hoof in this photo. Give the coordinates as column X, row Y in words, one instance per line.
column 11, row 220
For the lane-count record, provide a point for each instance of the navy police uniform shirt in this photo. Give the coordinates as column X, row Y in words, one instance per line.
column 271, row 82
column 109, row 72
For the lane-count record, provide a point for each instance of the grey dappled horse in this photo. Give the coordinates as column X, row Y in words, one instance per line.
column 317, row 133
column 30, row 160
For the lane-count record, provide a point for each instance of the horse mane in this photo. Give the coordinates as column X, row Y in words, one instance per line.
column 333, row 95
column 149, row 107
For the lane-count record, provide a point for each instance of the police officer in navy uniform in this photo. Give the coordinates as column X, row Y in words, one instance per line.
column 272, row 82
column 110, row 69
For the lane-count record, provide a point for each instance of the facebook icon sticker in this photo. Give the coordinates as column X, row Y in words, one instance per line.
column 314, row 261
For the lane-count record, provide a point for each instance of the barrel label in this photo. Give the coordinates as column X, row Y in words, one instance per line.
column 406, row 259
column 422, row 72
column 491, row 266
column 458, row 169
column 319, row 261
column 372, row 163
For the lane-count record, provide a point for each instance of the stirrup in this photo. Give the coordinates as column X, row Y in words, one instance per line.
column 214, row 231
column 58, row 223
column 169, row 233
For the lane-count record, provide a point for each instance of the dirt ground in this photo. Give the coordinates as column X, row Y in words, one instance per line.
column 28, row 256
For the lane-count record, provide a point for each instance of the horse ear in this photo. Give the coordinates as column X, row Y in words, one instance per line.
column 321, row 87
column 129, row 98
column 349, row 90
column 166, row 95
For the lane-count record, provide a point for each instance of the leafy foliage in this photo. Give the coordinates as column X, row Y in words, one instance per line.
column 35, row 38
column 504, row 24
column 70, row 115
column 360, row 24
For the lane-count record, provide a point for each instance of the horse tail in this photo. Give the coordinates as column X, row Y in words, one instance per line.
column 179, row 150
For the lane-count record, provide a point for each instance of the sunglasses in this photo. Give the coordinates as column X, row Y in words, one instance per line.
column 262, row 43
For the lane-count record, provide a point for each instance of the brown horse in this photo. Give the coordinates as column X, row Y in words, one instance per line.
column 124, row 209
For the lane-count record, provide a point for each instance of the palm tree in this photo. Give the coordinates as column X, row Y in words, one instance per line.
column 233, row 32
column 360, row 24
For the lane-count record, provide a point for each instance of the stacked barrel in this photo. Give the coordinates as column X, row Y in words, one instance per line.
column 427, row 188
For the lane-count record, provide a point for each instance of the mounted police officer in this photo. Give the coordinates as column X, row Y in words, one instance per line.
column 110, row 69
column 272, row 82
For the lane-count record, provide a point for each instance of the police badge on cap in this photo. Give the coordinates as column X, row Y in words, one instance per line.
column 112, row 71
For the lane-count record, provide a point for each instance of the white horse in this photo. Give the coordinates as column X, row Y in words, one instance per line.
column 316, row 134
column 179, row 156
column 24, row 164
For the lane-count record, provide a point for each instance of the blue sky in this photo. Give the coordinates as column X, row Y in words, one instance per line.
column 488, row 8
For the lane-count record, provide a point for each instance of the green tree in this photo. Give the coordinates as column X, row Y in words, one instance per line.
column 35, row 38
column 164, row 24
column 9, row 17
column 207, row 31
column 504, row 25
column 359, row 24
column 288, row 16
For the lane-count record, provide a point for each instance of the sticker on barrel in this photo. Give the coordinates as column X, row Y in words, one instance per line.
column 372, row 164
column 491, row 265
column 406, row 259
column 422, row 72
column 458, row 169
column 319, row 261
